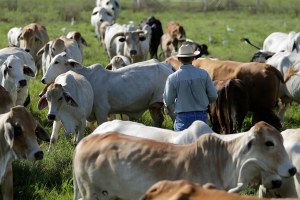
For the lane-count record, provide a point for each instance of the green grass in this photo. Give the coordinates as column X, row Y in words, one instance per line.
column 51, row 178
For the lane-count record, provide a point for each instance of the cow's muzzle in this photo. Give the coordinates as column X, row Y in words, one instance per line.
column 39, row 155
column 292, row 171
column 51, row 117
column 276, row 183
column 22, row 83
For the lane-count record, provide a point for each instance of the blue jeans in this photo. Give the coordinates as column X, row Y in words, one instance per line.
column 185, row 119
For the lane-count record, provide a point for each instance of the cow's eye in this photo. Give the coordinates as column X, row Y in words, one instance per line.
column 17, row 130
column 9, row 66
column 56, row 62
column 269, row 144
column 60, row 99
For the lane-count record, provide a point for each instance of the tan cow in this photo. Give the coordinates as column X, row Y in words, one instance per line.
column 18, row 132
column 261, row 81
column 183, row 189
column 32, row 39
column 121, row 166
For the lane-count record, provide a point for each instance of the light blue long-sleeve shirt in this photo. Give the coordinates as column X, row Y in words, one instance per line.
column 189, row 89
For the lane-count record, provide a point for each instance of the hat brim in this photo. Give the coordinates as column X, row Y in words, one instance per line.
column 196, row 53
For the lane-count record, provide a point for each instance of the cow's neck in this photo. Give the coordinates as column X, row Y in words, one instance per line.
column 6, row 154
column 216, row 157
column 88, row 72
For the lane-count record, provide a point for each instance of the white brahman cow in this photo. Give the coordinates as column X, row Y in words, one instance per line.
column 288, row 63
column 118, row 62
column 32, row 39
column 290, row 186
column 123, row 40
column 130, row 90
column 14, row 78
column 115, row 165
column 112, row 6
column 186, row 136
column 100, row 15
column 57, row 46
column 70, row 101
column 75, row 35
column 279, row 41
column 18, row 140
column 22, row 60
column 13, row 36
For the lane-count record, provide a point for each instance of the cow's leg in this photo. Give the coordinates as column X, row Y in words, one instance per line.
column 7, row 184
column 268, row 116
column 283, row 106
column 55, row 131
column 80, row 132
column 156, row 114
column 101, row 115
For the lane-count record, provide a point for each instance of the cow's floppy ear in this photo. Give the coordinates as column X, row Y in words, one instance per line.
column 249, row 144
column 5, row 69
column 9, row 133
column 42, row 102
column 109, row 66
column 41, row 133
column 69, row 99
column 72, row 62
column 43, row 49
column 28, row 71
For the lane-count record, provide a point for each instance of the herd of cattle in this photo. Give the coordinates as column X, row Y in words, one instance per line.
column 123, row 159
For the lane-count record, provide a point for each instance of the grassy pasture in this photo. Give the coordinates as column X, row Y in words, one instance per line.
column 51, row 178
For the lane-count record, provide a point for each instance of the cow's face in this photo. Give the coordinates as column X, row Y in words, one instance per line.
column 14, row 71
column 30, row 42
column 57, row 97
column 265, row 148
column 20, row 134
column 101, row 14
column 58, row 65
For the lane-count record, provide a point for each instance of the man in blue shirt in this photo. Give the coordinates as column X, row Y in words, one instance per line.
column 189, row 91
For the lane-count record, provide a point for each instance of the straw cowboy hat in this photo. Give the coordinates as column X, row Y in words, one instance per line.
column 186, row 50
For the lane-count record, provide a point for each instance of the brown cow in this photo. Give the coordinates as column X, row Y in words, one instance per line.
column 227, row 113
column 18, row 132
column 187, row 190
column 260, row 80
column 32, row 39
column 175, row 30
column 173, row 37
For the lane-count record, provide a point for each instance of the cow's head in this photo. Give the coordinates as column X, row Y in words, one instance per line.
column 75, row 35
column 55, row 97
column 14, row 71
column 264, row 147
column 60, row 64
column 20, row 132
column 101, row 14
column 30, row 40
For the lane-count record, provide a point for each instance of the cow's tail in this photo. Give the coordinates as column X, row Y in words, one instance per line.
column 276, row 72
column 289, row 73
column 224, row 109
column 246, row 40
column 229, row 122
